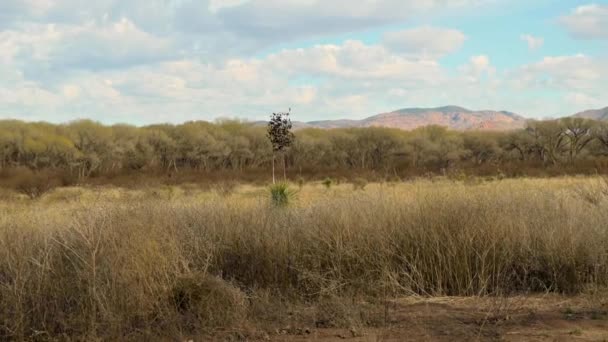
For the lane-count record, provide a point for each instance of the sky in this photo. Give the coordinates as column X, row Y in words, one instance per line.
column 154, row 61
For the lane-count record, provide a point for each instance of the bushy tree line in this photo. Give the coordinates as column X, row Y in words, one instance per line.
column 86, row 149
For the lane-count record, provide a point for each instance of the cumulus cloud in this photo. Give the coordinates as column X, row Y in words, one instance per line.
column 425, row 41
column 93, row 46
column 341, row 83
column 584, row 100
column 178, row 60
column 344, row 79
column 565, row 72
column 478, row 69
column 533, row 42
column 354, row 60
column 588, row 22
column 277, row 19
column 215, row 29
column 15, row 10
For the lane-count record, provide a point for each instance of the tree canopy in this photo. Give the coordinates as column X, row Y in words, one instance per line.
column 87, row 148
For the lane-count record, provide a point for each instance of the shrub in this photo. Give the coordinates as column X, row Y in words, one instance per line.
column 301, row 182
column 35, row 184
column 359, row 183
column 136, row 268
column 280, row 194
column 594, row 193
column 327, row 182
column 208, row 301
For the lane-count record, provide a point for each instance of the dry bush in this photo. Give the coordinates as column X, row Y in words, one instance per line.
column 135, row 268
column 595, row 192
column 207, row 301
column 359, row 183
column 32, row 183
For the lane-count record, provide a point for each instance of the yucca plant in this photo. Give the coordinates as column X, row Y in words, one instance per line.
column 281, row 194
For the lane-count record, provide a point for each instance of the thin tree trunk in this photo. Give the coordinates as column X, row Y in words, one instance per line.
column 273, row 179
column 284, row 169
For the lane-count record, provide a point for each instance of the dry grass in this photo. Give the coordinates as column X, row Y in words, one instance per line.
column 111, row 263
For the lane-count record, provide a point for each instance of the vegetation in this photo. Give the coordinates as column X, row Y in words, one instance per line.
column 118, row 264
column 281, row 138
column 83, row 151
column 359, row 184
column 155, row 259
column 281, row 194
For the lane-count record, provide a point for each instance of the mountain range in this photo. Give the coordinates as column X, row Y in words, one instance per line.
column 595, row 114
column 453, row 117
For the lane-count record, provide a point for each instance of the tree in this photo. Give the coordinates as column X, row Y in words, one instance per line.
column 281, row 137
column 481, row 147
column 521, row 142
column 578, row 132
column 600, row 132
column 549, row 139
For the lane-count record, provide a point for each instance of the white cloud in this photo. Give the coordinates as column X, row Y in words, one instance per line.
column 271, row 20
column 352, row 79
column 356, row 61
column 583, row 100
column 14, row 10
column 89, row 46
column 425, row 41
column 177, row 60
column 533, row 42
column 343, row 80
column 216, row 5
column 478, row 69
column 564, row 72
column 588, row 22
column 214, row 29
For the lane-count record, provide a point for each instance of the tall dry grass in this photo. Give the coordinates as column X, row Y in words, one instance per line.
column 116, row 264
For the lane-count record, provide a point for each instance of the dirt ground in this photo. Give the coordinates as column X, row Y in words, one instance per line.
column 540, row 318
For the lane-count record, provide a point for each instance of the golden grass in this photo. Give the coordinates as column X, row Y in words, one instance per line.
column 130, row 264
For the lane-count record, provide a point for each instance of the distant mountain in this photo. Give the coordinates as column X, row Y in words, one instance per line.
column 595, row 114
column 453, row 117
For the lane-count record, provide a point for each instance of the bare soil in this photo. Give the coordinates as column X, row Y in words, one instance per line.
column 540, row 318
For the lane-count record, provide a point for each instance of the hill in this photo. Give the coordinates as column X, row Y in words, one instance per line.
column 595, row 114
column 453, row 117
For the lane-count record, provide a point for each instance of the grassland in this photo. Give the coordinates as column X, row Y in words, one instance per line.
column 170, row 263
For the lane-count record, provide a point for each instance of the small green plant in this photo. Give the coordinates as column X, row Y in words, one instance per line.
column 327, row 182
column 281, row 195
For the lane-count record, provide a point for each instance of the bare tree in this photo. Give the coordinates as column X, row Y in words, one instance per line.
column 281, row 138
column 579, row 133
column 600, row 132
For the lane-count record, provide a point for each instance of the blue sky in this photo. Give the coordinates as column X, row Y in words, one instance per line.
column 149, row 61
